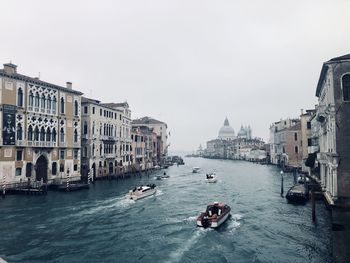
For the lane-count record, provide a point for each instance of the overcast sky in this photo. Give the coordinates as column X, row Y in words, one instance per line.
column 188, row 63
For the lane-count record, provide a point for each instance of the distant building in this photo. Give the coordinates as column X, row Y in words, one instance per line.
column 158, row 127
column 226, row 132
column 40, row 138
column 333, row 92
column 200, row 150
column 306, row 137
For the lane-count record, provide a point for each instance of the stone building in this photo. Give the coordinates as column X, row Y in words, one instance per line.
column 333, row 93
column 124, row 134
column 306, row 136
column 40, row 139
column 100, row 133
column 159, row 128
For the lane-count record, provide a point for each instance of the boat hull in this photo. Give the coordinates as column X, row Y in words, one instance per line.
column 212, row 180
column 143, row 195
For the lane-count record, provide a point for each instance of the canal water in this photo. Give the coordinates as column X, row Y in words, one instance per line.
column 101, row 225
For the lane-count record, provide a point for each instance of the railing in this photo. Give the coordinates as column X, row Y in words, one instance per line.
column 20, row 143
column 30, row 108
column 62, row 144
column 110, row 155
column 76, row 144
column 36, row 109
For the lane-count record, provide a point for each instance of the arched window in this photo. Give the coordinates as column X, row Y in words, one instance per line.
column 93, row 150
column 61, row 135
column 48, row 104
column 93, row 128
column 100, row 128
column 76, row 108
column 54, row 135
column 20, row 97
column 54, row 168
column 36, row 100
column 296, row 149
column 54, row 103
column 75, row 135
column 19, row 132
column 61, row 167
column 62, row 105
column 30, row 133
column 43, row 102
column 100, row 149
column 42, row 134
column 104, row 129
column 48, row 135
column 30, row 98
column 346, row 87
column 36, row 134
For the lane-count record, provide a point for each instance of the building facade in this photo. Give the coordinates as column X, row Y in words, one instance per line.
column 100, row 133
column 333, row 93
column 40, row 139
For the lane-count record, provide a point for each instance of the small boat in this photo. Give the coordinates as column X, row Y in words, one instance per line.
column 195, row 170
column 215, row 214
column 297, row 194
column 165, row 175
column 156, row 167
column 211, row 178
column 159, row 177
column 142, row 191
column 302, row 180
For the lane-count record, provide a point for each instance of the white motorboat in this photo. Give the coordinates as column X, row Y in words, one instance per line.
column 211, row 178
column 142, row 191
column 215, row 214
column 196, row 169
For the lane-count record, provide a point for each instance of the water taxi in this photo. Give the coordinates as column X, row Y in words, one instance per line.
column 195, row 170
column 211, row 178
column 142, row 191
column 215, row 214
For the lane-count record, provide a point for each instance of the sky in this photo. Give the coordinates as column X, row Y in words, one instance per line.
column 189, row 63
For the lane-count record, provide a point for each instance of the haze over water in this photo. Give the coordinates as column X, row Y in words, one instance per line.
column 100, row 224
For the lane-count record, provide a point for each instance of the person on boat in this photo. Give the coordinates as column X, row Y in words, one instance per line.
column 207, row 176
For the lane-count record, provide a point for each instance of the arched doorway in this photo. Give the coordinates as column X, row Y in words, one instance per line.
column 41, row 169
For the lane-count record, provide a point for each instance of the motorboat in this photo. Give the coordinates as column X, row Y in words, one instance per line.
column 215, row 214
column 211, row 178
column 156, row 167
column 196, row 169
column 142, row 191
column 303, row 180
column 297, row 194
column 165, row 175
column 159, row 177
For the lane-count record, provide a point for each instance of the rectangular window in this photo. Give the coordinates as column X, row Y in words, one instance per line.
column 295, row 136
column 19, row 155
column 75, row 167
column 93, row 110
column 75, row 154
column 18, row 171
column 308, row 125
column 85, row 110
column 62, row 154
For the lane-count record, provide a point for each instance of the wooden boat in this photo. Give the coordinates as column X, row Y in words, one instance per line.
column 297, row 194
column 215, row 214
column 211, row 178
column 142, row 192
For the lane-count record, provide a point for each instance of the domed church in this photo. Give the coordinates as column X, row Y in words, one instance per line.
column 226, row 132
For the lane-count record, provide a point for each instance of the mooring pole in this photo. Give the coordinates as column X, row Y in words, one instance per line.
column 281, row 183
column 4, row 186
column 88, row 181
column 313, row 203
column 67, row 179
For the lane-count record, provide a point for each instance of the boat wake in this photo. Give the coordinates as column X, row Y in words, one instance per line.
column 190, row 219
column 177, row 255
column 234, row 222
column 159, row 193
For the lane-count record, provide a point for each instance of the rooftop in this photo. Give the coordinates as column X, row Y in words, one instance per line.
column 147, row 120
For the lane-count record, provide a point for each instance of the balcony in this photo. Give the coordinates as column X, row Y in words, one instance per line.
column 76, row 144
column 110, row 156
column 41, row 144
column 21, row 143
column 313, row 149
column 62, row 144
column 36, row 109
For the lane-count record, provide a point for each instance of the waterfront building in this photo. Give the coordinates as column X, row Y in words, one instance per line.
column 285, row 143
column 200, row 150
column 333, row 111
column 159, row 128
column 306, row 137
column 100, row 139
column 40, row 138
column 226, row 132
column 125, row 150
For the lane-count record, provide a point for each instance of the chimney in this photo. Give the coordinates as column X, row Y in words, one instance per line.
column 69, row 85
column 10, row 68
column 301, row 111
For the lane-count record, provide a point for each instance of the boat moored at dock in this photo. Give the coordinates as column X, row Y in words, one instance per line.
column 142, row 192
column 297, row 194
column 215, row 214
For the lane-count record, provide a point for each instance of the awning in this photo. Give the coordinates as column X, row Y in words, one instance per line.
column 310, row 161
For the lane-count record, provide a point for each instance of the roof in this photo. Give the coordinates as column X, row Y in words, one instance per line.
column 146, row 120
column 295, row 127
column 35, row 81
column 96, row 102
column 325, row 69
column 115, row 105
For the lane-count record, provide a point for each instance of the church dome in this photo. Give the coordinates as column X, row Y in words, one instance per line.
column 242, row 132
column 226, row 132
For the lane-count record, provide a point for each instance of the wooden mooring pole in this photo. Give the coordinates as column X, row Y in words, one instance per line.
column 281, row 183
column 4, row 186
